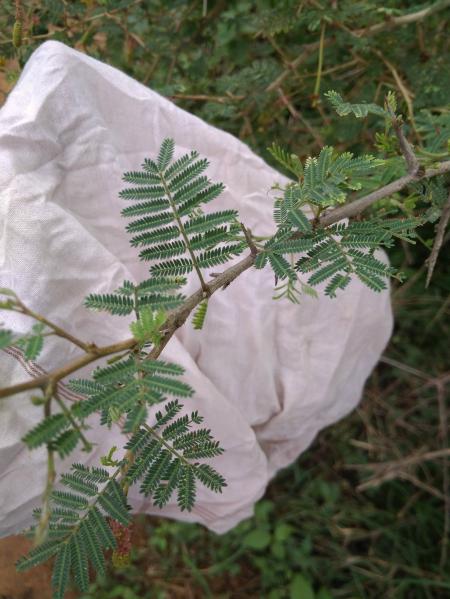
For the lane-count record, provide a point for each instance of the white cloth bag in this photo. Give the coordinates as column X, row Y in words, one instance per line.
column 268, row 375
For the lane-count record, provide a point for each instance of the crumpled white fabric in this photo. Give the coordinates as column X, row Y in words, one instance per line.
column 268, row 375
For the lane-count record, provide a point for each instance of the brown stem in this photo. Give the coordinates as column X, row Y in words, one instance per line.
column 249, row 239
column 299, row 116
column 175, row 320
column 178, row 317
column 87, row 347
column 406, row 149
column 361, row 204
column 439, row 240
column 204, row 98
column 42, row 381
column 41, row 529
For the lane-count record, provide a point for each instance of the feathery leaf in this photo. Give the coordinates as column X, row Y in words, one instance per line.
column 198, row 319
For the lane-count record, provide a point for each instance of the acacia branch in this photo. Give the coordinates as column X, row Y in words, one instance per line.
column 175, row 320
column 358, row 206
column 177, row 317
column 56, row 375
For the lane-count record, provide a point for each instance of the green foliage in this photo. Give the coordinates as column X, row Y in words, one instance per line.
column 301, row 588
column 198, row 320
column 435, row 131
column 127, row 384
column 326, row 179
column 122, row 305
column 162, row 454
column 165, row 455
column 338, row 259
column 152, row 286
column 222, row 65
column 147, row 326
column 6, row 338
column 84, row 386
column 359, row 110
column 135, row 417
column 333, row 254
column 257, row 539
column 33, row 343
column 79, row 533
column 180, row 192
column 114, row 304
column 181, row 266
column 290, row 162
column 46, row 431
column 65, row 443
column 222, row 75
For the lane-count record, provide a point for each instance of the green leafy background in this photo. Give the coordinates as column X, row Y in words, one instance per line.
column 317, row 533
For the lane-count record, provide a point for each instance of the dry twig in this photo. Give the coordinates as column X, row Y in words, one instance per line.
column 439, row 240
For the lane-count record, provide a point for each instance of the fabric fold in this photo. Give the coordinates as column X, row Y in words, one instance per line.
column 267, row 375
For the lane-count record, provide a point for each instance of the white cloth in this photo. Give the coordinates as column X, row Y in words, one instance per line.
column 268, row 375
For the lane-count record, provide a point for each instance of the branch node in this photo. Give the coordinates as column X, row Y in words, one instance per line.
column 406, row 149
column 206, row 290
column 249, row 239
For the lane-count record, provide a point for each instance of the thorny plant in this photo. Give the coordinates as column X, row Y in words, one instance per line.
column 324, row 238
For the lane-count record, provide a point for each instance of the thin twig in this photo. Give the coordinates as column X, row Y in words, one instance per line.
column 298, row 116
column 175, row 320
column 438, row 240
column 363, row 203
column 249, row 239
column 316, row 92
column 443, row 433
column 404, row 367
column 58, row 374
column 307, row 50
column 413, row 17
column 407, row 95
column 23, row 309
column 204, row 98
column 406, row 149
column 411, row 460
column 41, row 529
column 420, row 485
column 113, row 11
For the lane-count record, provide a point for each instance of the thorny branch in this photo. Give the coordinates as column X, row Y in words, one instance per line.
column 178, row 317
